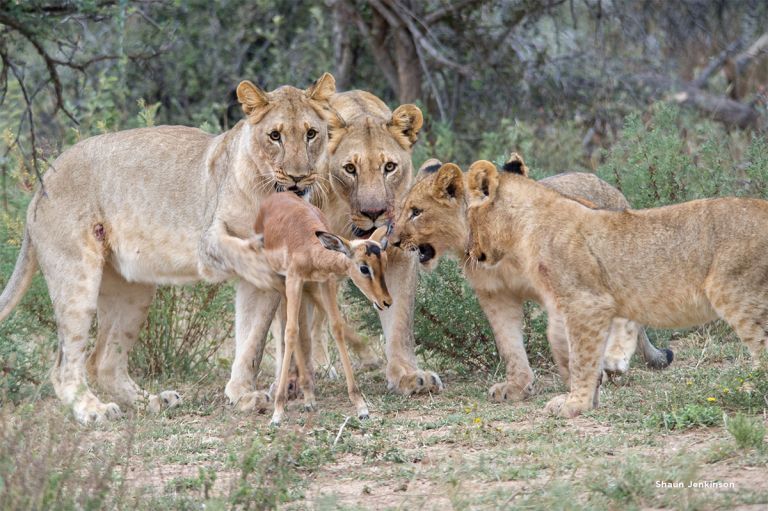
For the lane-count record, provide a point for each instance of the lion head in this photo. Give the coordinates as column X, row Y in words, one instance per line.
column 432, row 219
column 370, row 158
column 286, row 130
column 484, row 200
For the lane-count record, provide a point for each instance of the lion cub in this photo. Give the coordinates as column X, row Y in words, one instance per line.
column 670, row 267
column 292, row 236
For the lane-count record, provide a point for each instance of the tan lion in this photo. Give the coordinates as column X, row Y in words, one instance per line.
column 433, row 222
column 127, row 211
column 670, row 267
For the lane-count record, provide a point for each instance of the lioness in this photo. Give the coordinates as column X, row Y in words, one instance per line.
column 674, row 266
column 127, row 211
column 433, row 222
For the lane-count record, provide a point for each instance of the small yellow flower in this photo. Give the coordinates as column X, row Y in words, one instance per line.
column 711, row 399
column 467, row 410
column 478, row 420
column 689, row 382
column 726, row 390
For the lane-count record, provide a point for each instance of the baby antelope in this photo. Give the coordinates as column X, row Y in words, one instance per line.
column 296, row 244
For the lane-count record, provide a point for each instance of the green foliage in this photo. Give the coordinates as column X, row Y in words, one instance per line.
column 673, row 158
column 748, row 432
column 184, row 330
column 689, row 416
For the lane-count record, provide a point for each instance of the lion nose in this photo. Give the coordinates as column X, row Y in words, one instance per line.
column 373, row 214
column 296, row 179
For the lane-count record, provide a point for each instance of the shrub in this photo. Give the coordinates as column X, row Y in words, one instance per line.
column 748, row 432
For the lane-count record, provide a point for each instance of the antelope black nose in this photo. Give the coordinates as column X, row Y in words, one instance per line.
column 373, row 214
column 387, row 303
column 481, row 257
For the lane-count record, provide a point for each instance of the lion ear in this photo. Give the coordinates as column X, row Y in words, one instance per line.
column 251, row 97
column 482, row 182
column 516, row 165
column 427, row 168
column 405, row 125
column 337, row 128
column 323, row 88
column 449, row 182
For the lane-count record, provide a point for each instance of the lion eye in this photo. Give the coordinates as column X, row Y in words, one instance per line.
column 365, row 270
column 390, row 167
column 415, row 212
column 349, row 168
column 274, row 135
column 311, row 133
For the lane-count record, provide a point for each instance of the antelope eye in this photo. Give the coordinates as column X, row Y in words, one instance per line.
column 365, row 270
column 415, row 212
column 349, row 168
column 274, row 135
column 311, row 133
column 390, row 167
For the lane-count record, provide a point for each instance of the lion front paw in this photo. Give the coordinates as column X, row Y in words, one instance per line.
column 96, row 412
column 508, row 391
column 564, row 406
column 257, row 400
column 417, row 382
column 164, row 401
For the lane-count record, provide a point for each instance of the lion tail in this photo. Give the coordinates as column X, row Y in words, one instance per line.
column 21, row 278
column 654, row 357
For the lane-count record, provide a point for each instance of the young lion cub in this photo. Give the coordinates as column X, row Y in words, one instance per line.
column 674, row 266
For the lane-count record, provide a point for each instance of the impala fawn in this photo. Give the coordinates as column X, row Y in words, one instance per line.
column 292, row 236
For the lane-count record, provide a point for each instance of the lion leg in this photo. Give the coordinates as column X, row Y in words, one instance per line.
column 73, row 275
column 557, row 335
column 367, row 358
column 746, row 312
column 122, row 310
column 254, row 310
column 622, row 343
column 403, row 374
column 505, row 314
column 588, row 321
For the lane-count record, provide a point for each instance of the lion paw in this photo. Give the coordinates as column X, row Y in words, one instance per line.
column 418, row 382
column 507, row 391
column 164, row 401
column 96, row 413
column 615, row 365
column 257, row 400
column 562, row 406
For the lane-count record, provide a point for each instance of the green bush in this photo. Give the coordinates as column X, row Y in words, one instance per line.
column 748, row 432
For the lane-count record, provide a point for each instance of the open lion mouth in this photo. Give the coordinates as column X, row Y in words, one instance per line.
column 301, row 192
column 426, row 253
column 360, row 233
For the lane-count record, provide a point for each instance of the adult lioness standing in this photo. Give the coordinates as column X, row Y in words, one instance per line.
column 127, row 211
column 369, row 172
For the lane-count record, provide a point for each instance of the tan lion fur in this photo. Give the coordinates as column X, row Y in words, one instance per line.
column 127, row 211
column 440, row 227
column 671, row 267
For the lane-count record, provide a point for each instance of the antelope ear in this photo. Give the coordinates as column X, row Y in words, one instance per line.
column 323, row 88
column 333, row 242
column 516, row 165
column 251, row 97
column 381, row 235
column 482, row 182
column 405, row 125
column 449, row 182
